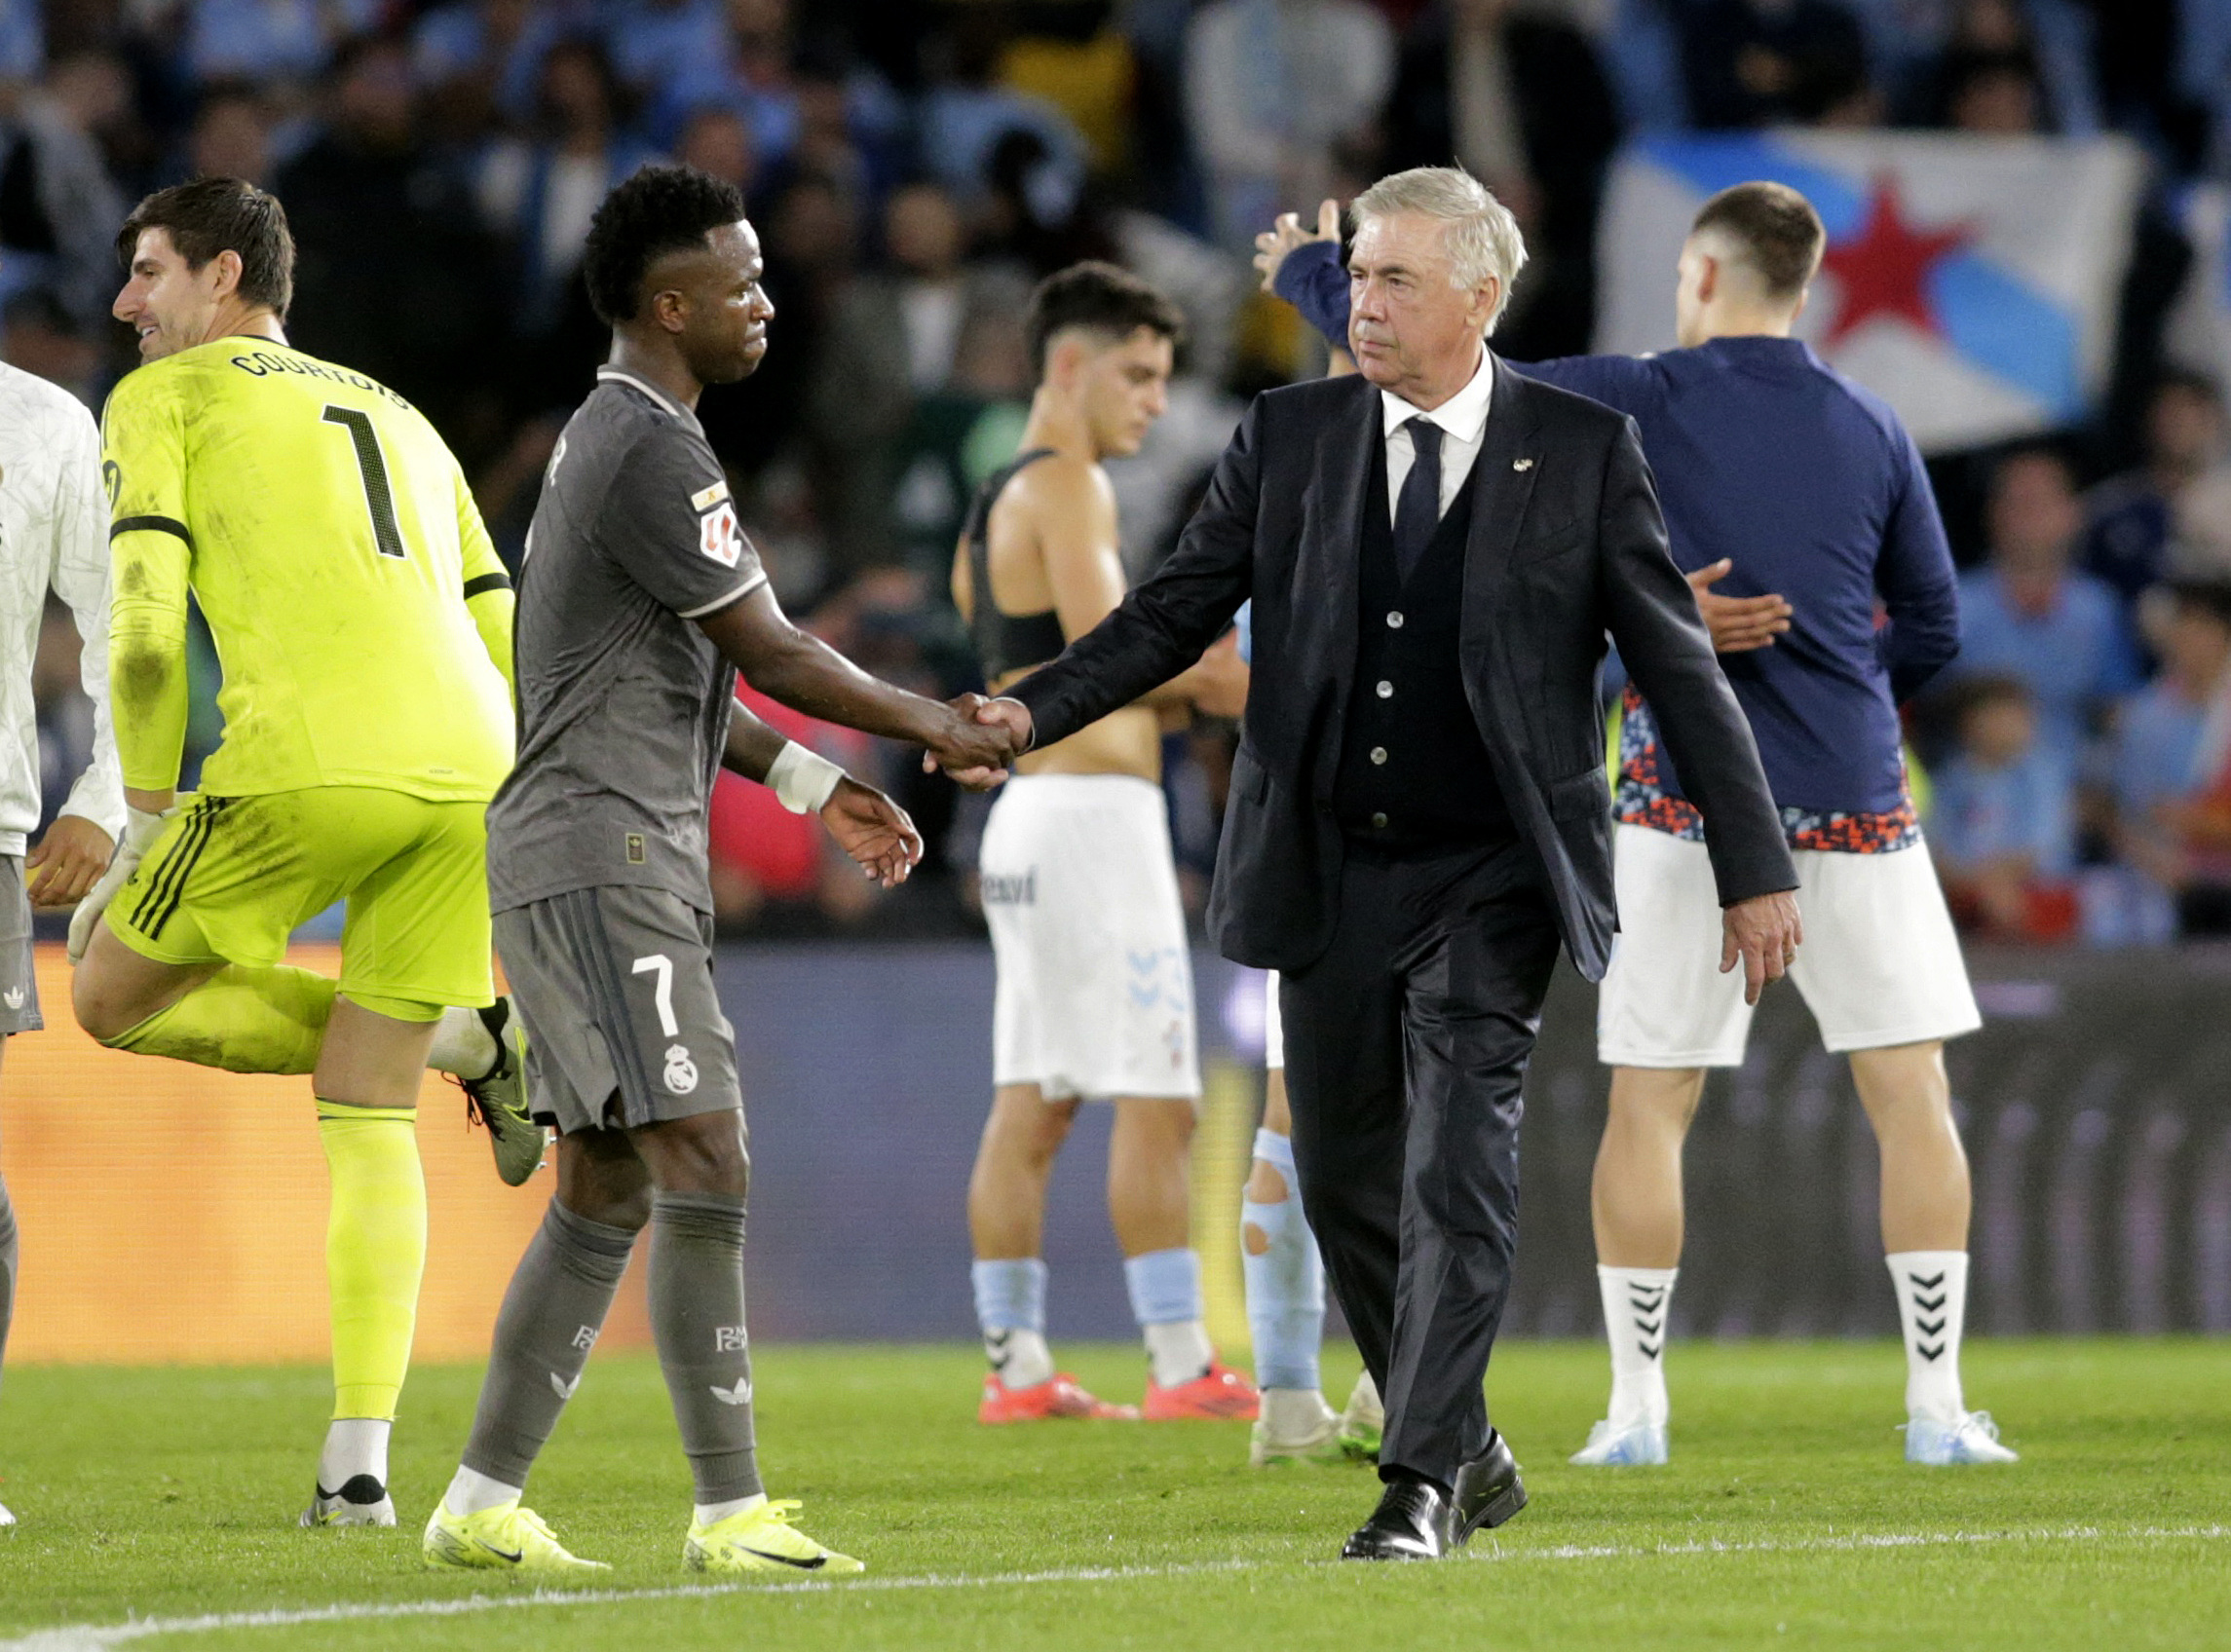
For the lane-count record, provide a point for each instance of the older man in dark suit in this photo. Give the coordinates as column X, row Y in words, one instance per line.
column 1435, row 549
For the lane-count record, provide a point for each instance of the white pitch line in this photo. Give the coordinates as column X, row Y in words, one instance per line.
column 98, row 1637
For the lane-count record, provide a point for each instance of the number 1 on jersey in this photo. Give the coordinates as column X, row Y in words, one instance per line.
column 379, row 497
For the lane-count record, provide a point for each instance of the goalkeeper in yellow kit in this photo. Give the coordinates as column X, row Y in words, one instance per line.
column 363, row 624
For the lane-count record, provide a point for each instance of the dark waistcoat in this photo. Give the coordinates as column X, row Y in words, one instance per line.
column 1414, row 774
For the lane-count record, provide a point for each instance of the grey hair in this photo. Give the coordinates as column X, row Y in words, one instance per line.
column 1481, row 236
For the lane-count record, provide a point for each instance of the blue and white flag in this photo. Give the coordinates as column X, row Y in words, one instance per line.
column 1971, row 282
column 2198, row 334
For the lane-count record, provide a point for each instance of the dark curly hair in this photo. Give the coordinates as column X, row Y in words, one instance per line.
column 660, row 209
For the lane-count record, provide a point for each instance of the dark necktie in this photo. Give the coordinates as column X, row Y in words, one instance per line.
column 1418, row 508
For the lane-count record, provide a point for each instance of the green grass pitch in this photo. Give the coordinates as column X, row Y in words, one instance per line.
column 1786, row 1518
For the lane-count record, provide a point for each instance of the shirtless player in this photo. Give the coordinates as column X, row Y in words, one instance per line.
column 1095, row 983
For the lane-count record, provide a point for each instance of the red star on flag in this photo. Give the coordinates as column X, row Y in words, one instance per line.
column 1884, row 269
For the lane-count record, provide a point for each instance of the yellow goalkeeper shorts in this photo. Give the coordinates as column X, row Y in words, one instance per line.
column 231, row 878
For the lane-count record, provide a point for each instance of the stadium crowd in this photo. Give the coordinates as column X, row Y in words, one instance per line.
column 915, row 167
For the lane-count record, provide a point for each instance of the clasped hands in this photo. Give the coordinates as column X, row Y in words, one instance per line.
column 976, row 739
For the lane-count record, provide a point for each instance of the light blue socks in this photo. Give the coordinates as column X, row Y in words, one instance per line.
column 1010, row 1307
column 1285, row 1278
column 1165, row 1300
column 1165, row 1285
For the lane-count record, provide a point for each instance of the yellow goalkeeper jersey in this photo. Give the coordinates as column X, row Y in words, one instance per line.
column 360, row 614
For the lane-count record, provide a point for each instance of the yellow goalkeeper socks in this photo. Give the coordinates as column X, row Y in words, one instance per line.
column 242, row 1020
column 375, row 1250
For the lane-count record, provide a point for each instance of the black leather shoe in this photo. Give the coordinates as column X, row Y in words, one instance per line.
column 1489, row 1492
column 1410, row 1524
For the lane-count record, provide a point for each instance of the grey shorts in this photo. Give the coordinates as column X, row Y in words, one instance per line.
column 624, row 1027
column 18, row 980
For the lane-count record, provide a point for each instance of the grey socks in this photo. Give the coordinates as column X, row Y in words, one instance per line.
column 550, row 1318
column 697, row 1316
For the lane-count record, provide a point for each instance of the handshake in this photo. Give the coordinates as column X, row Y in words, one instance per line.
column 974, row 739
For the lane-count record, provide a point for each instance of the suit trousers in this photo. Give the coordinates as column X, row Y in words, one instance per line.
column 1406, row 1047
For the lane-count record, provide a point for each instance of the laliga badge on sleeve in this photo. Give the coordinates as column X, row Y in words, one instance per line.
column 719, row 535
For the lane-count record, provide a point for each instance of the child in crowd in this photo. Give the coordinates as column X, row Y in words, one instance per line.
column 2001, row 823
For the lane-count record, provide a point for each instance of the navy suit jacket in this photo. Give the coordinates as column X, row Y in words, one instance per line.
column 1566, row 544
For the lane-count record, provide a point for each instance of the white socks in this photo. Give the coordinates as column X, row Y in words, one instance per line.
column 470, row 1491
column 1178, row 1351
column 1020, row 1357
column 709, row 1514
column 463, row 1044
column 1636, row 1309
column 354, row 1446
column 1932, row 1288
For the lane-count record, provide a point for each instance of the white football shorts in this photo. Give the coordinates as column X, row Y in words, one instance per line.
column 1096, row 979
column 1273, row 1026
column 1880, row 965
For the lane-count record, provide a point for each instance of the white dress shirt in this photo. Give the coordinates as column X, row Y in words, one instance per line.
column 54, row 534
column 1464, row 421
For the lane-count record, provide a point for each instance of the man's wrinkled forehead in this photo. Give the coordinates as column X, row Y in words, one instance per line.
column 1399, row 240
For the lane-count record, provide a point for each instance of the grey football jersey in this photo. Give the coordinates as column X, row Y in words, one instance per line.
column 623, row 703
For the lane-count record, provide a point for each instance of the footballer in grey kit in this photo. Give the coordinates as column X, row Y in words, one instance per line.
column 597, row 866
column 639, row 601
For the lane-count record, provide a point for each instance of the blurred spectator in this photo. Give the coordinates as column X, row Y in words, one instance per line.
column 655, row 44
column 923, row 240
column 960, row 437
column 1923, row 54
column 1272, row 88
column 39, row 334
column 967, row 112
column 1753, row 62
column 1519, row 99
column 269, row 40
column 2156, row 771
column 849, row 130
column 391, row 278
column 811, row 238
column 2030, row 616
column 542, row 191
column 60, row 204
column 231, row 135
column 2131, row 518
column 715, row 139
column 1074, row 58
column 481, row 60
column 1642, row 55
column 891, row 338
column 1994, row 95
column 1036, row 214
column 2001, row 821
column 23, row 40
column 750, row 76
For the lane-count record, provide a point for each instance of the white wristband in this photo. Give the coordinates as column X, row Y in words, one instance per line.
column 803, row 780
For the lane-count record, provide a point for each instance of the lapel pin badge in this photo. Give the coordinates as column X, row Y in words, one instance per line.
column 1522, row 464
